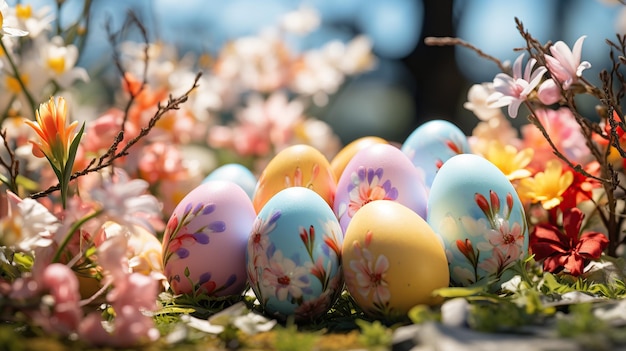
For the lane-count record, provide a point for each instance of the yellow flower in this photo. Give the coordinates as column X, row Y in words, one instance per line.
column 509, row 160
column 54, row 137
column 547, row 186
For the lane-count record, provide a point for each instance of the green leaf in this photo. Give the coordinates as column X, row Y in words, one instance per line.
column 67, row 171
column 459, row 291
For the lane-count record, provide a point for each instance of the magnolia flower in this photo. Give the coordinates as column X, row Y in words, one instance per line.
column 566, row 249
column 302, row 21
column 564, row 64
column 512, row 91
column 6, row 22
column 549, row 92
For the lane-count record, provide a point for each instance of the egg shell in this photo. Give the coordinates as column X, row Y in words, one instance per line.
column 378, row 172
column 341, row 159
column 293, row 256
column 480, row 218
column 236, row 173
column 392, row 260
column 205, row 240
column 433, row 143
column 297, row 165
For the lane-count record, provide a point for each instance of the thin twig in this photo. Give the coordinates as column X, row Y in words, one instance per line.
column 451, row 41
column 172, row 104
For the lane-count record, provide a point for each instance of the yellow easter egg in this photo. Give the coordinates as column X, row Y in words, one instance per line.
column 392, row 260
column 339, row 162
column 297, row 165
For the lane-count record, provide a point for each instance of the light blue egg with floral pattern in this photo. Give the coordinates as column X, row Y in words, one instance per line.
column 433, row 143
column 477, row 213
column 236, row 173
column 293, row 255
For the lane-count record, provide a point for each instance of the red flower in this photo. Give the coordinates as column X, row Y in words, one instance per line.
column 567, row 249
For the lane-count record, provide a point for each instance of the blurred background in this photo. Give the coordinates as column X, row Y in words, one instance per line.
column 411, row 82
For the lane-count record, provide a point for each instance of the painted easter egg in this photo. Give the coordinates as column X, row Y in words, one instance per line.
column 339, row 162
column 235, row 173
column 392, row 260
column 378, row 172
column 479, row 216
column 204, row 244
column 433, row 143
column 293, row 257
column 296, row 166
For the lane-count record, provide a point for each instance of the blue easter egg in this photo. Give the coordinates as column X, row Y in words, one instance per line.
column 433, row 143
column 235, row 173
column 293, row 255
column 476, row 211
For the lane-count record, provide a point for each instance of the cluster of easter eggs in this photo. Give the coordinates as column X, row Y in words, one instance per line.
column 389, row 224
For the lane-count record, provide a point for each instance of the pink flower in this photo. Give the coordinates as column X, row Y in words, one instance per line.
column 512, row 91
column 62, row 283
column 286, row 278
column 564, row 64
column 368, row 185
column 370, row 275
column 564, row 132
column 549, row 93
column 507, row 240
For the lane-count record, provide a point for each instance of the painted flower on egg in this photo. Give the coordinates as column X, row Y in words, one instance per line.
column 495, row 234
column 370, row 276
column 289, row 279
column 200, row 236
column 368, row 185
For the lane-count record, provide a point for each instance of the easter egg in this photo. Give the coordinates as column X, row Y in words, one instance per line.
column 341, row 159
column 296, row 166
column 204, row 244
column 433, row 143
column 236, row 173
column 392, row 260
column 480, row 218
column 293, row 255
column 378, row 172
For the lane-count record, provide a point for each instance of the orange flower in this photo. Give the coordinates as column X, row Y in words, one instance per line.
column 54, row 137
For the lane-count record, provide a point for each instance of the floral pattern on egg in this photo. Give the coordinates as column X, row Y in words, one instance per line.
column 367, row 275
column 273, row 276
column 495, row 233
column 368, row 185
column 181, row 242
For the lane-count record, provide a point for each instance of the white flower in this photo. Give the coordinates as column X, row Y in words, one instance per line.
column 28, row 224
column 302, row 21
column 7, row 22
column 564, row 64
column 477, row 102
column 60, row 60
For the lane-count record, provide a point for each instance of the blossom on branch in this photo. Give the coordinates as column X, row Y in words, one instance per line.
column 511, row 91
column 564, row 64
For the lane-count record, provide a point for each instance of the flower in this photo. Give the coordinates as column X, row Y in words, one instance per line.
column 509, row 160
column 549, row 93
column 548, row 186
column 367, row 185
column 54, row 137
column 5, row 27
column 512, row 91
column 27, row 224
column 286, row 278
column 566, row 249
column 564, row 64
column 477, row 97
column 370, row 276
